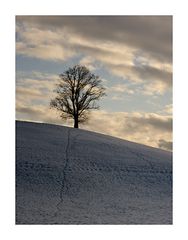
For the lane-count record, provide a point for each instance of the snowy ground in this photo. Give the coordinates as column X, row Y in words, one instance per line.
column 72, row 176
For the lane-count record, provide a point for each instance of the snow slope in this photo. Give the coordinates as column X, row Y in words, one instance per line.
column 72, row 176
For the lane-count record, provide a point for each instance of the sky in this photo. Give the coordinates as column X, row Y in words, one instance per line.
column 131, row 54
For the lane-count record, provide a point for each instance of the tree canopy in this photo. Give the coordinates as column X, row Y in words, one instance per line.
column 78, row 91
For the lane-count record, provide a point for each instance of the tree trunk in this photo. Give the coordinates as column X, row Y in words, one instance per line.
column 76, row 122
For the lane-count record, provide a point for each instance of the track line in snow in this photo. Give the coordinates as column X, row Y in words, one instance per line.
column 63, row 181
column 65, row 169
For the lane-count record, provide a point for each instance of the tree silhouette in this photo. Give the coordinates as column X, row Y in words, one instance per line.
column 77, row 92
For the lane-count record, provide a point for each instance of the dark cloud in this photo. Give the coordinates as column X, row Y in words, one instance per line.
column 152, row 34
column 146, row 73
column 151, row 120
column 33, row 112
column 165, row 144
column 152, row 73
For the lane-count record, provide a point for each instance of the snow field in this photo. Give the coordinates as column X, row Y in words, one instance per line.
column 72, row 176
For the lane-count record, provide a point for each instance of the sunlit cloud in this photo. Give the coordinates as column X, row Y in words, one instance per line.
column 42, row 44
column 120, row 88
column 35, row 87
column 37, row 113
column 88, row 62
column 145, row 128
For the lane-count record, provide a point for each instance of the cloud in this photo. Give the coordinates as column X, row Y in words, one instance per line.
column 37, row 113
column 117, row 97
column 135, row 48
column 149, row 72
column 144, row 128
column 153, row 80
column 42, row 44
column 35, row 87
column 88, row 62
column 27, row 91
column 153, row 120
column 46, row 52
column 165, row 144
column 154, row 88
column 152, row 34
column 121, row 88
column 168, row 109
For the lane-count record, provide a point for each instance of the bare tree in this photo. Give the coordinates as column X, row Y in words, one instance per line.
column 77, row 93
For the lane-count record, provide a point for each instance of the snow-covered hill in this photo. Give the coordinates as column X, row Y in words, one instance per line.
column 72, row 176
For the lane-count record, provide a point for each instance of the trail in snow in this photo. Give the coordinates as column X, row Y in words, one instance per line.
column 64, row 174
